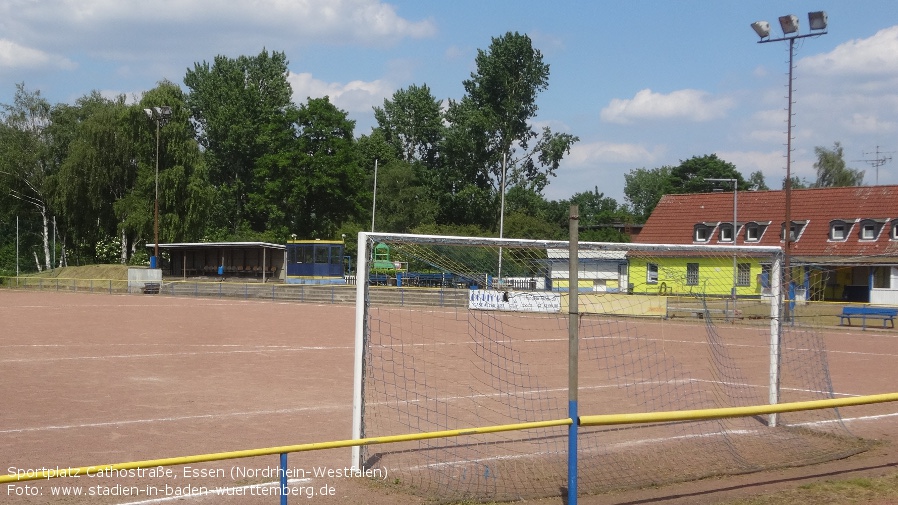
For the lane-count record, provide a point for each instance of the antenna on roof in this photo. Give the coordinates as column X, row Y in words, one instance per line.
column 879, row 160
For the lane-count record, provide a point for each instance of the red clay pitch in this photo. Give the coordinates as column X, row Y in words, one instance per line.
column 98, row 379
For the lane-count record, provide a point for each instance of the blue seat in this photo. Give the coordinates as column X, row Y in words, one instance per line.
column 885, row 314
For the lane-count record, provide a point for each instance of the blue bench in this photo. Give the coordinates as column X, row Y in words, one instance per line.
column 885, row 314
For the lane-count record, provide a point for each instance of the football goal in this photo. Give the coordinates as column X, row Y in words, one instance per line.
column 462, row 332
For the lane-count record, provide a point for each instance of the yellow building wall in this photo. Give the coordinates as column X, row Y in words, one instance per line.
column 715, row 276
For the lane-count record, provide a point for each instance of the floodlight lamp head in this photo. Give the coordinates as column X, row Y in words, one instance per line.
column 817, row 20
column 789, row 23
column 149, row 113
column 762, row 28
column 165, row 111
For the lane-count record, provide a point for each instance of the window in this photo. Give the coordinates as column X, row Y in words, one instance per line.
column 336, row 254
column 837, row 230
column 651, row 273
column 321, row 254
column 870, row 228
column 743, row 274
column 868, row 232
column 692, row 274
column 795, row 229
column 703, row 231
column 893, row 234
column 726, row 233
column 882, row 277
column 752, row 233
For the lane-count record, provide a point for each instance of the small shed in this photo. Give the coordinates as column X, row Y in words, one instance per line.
column 249, row 260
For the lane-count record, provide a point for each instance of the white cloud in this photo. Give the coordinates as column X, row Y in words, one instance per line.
column 587, row 154
column 688, row 104
column 354, row 96
column 118, row 29
column 876, row 55
column 868, row 124
column 16, row 56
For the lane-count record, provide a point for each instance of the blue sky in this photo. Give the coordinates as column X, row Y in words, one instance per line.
column 642, row 83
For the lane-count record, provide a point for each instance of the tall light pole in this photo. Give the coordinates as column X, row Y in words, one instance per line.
column 789, row 23
column 159, row 115
column 374, row 198
column 735, row 228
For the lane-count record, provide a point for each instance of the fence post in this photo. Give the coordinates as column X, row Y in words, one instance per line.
column 283, row 478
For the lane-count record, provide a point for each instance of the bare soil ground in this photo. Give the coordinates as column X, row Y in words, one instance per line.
column 97, row 379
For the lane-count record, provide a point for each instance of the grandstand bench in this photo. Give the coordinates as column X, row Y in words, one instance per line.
column 886, row 314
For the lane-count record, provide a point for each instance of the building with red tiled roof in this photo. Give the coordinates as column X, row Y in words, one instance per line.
column 845, row 240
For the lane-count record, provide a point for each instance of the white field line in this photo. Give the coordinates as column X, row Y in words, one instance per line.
column 253, row 413
column 266, row 349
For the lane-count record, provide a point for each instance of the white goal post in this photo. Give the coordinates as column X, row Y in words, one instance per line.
column 445, row 341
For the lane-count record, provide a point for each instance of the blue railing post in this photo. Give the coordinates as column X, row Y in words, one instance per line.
column 283, row 477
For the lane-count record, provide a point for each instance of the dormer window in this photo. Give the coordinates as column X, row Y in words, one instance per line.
column 726, row 232
column 795, row 230
column 838, row 229
column 754, row 231
column 870, row 228
column 893, row 232
column 702, row 231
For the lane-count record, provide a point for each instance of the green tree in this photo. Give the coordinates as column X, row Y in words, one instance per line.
column 310, row 186
column 98, row 167
column 756, row 182
column 832, row 171
column 689, row 176
column 406, row 146
column 412, row 123
column 797, row 183
column 643, row 188
column 241, row 108
column 25, row 163
column 491, row 143
column 601, row 217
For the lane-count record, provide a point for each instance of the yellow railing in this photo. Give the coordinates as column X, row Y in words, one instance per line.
column 589, row 420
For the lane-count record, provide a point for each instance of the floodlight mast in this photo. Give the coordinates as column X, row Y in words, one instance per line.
column 789, row 24
column 160, row 115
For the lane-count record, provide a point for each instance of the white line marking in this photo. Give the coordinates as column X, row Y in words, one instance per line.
column 166, row 355
column 178, row 418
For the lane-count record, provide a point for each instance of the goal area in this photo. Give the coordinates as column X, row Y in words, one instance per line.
column 464, row 332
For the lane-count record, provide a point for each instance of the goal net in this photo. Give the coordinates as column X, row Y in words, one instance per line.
column 463, row 332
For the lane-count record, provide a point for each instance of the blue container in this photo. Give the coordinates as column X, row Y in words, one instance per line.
column 153, row 262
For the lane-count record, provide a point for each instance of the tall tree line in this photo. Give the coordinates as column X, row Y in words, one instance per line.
column 238, row 160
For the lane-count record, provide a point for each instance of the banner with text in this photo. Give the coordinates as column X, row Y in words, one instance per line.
column 514, row 301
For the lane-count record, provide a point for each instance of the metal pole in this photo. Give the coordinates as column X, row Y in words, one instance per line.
column 787, row 277
column 776, row 328
column 573, row 349
column 156, row 206
column 361, row 329
column 735, row 224
column 374, row 199
column 502, row 216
